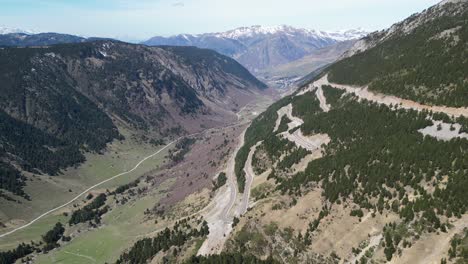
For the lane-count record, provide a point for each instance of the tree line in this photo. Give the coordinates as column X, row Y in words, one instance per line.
column 145, row 249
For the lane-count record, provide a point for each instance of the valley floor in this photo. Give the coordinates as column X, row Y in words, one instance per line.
column 179, row 191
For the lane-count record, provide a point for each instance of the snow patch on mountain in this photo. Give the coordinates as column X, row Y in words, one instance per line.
column 246, row 32
column 8, row 30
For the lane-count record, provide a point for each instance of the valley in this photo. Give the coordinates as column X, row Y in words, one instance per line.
column 172, row 180
column 260, row 144
column 277, row 55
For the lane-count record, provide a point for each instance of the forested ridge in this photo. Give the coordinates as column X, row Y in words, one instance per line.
column 376, row 159
column 428, row 65
column 39, row 152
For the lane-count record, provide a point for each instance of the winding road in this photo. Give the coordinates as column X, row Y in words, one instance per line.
column 249, row 177
column 219, row 215
column 310, row 143
column 364, row 93
column 323, row 101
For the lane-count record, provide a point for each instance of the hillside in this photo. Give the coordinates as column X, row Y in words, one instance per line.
column 60, row 102
column 422, row 58
column 342, row 173
column 172, row 151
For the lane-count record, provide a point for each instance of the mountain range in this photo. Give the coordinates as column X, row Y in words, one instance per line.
column 262, row 49
column 275, row 54
column 172, row 151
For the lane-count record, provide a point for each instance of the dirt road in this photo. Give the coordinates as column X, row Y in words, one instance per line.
column 249, row 177
column 227, row 202
column 287, row 110
column 323, row 101
column 364, row 93
column 220, row 214
column 310, row 143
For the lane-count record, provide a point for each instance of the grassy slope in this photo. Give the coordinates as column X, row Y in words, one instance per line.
column 96, row 169
column 120, row 229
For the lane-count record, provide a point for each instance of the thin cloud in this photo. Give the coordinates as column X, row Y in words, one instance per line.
column 178, row 4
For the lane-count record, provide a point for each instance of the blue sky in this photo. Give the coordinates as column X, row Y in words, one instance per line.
column 141, row 19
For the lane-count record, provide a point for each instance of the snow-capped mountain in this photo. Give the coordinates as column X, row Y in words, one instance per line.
column 263, row 47
column 245, row 32
column 8, row 30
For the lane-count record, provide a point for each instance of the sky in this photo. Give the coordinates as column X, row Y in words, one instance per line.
column 134, row 20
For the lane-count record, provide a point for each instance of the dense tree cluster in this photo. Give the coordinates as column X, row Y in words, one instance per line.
column 394, row 238
column 92, row 211
column 39, row 152
column 44, row 122
column 125, row 187
column 425, row 66
column 332, row 95
column 294, row 157
column 305, row 104
column 49, row 242
column 9, row 257
column 144, row 250
column 52, row 237
column 284, row 124
column 220, row 181
column 261, row 130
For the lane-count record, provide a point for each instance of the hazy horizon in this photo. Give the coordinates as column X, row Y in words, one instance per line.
column 134, row 21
